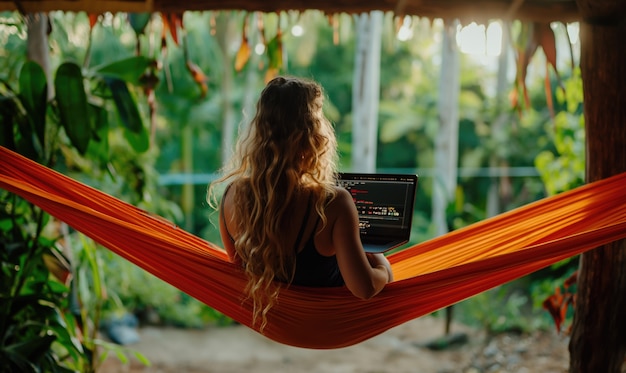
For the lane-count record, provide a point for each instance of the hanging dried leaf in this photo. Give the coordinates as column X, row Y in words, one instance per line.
column 164, row 30
column 526, row 46
column 171, row 23
column 399, row 22
column 199, row 77
column 333, row 20
column 544, row 37
column 93, row 19
column 261, row 27
column 531, row 37
column 176, row 19
column 548, row 88
column 212, row 24
column 243, row 54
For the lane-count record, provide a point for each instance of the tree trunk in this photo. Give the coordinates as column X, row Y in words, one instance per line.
column 250, row 94
column 226, row 37
column 187, row 194
column 366, row 92
column 37, row 45
column 598, row 341
column 447, row 141
column 499, row 135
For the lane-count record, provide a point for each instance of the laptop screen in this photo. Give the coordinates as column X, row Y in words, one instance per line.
column 384, row 202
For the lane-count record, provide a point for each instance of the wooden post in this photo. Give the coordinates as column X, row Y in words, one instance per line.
column 366, row 92
column 598, row 342
column 226, row 36
column 447, row 141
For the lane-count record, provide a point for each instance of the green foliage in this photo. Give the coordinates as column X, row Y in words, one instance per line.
column 51, row 303
column 72, row 105
column 104, row 143
column 21, row 131
column 502, row 309
column 139, row 21
column 131, row 288
column 49, row 309
column 35, row 311
column 136, row 133
column 564, row 168
column 128, row 70
column 34, row 97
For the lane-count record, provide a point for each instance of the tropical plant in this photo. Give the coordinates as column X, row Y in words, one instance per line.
column 46, row 325
column 563, row 168
column 34, row 305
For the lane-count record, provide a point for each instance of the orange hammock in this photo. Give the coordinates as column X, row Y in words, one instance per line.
column 429, row 276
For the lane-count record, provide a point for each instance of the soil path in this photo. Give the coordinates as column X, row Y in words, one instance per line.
column 237, row 349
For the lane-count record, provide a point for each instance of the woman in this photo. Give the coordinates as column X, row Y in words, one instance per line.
column 282, row 217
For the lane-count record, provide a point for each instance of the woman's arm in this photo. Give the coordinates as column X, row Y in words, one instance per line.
column 364, row 274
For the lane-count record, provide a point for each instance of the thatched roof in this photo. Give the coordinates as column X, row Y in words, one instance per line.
column 476, row 10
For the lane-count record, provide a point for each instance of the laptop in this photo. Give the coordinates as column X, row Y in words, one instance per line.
column 385, row 204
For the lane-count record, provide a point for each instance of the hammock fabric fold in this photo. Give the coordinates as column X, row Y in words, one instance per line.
column 429, row 276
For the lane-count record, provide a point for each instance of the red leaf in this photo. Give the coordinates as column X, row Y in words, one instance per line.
column 544, row 36
column 93, row 19
column 171, row 23
column 558, row 303
column 553, row 305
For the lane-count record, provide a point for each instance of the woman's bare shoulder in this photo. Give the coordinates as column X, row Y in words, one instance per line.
column 232, row 188
column 341, row 202
column 341, row 196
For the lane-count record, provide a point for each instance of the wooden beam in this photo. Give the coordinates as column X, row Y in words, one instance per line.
column 89, row 6
column 478, row 10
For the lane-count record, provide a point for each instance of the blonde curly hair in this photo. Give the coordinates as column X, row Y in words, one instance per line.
column 289, row 151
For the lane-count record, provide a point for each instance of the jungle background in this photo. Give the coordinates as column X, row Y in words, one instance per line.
column 146, row 107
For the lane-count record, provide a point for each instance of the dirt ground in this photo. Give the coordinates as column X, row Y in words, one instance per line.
column 405, row 348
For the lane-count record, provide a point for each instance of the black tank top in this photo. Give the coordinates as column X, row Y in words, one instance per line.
column 312, row 268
